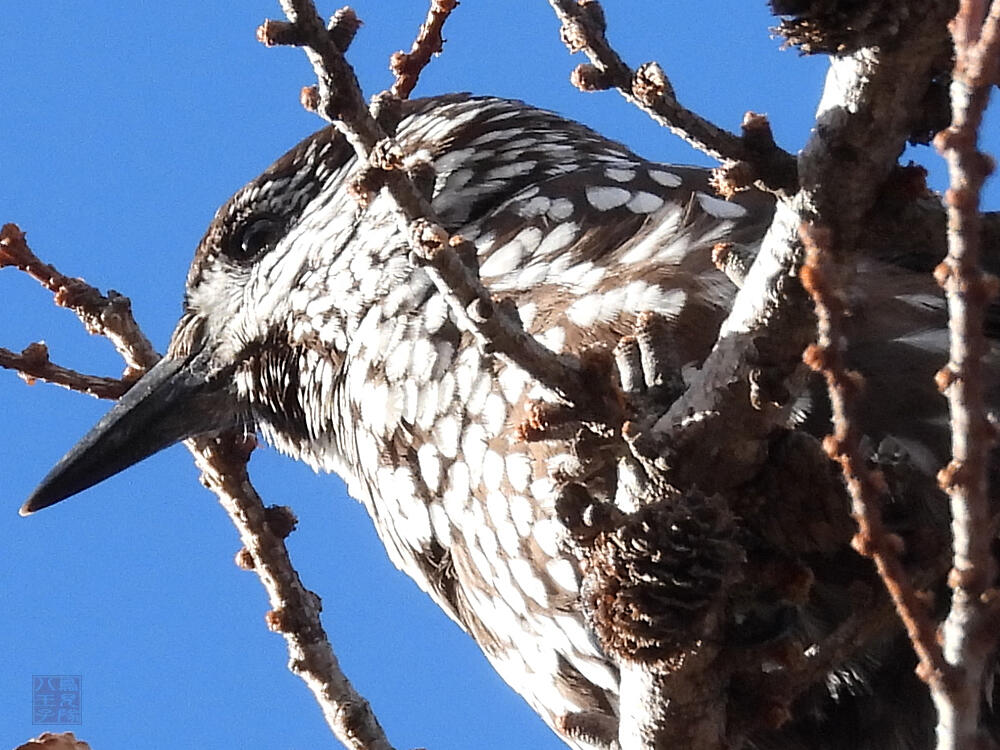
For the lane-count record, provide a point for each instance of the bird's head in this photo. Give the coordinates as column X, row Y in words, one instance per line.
column 235, row 356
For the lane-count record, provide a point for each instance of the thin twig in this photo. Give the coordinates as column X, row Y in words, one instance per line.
column 295, row 610
column 866, row 486
column 33, row 364
column 407, row 66
column 339, row 100
column 109, row 316
column 648, row 87
column 969, row 630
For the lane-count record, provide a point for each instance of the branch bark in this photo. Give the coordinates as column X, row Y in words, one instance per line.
column 969, row 630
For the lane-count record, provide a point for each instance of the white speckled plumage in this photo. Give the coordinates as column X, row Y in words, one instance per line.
column 352, row 361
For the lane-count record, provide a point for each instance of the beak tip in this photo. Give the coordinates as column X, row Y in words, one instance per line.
column 36, row 502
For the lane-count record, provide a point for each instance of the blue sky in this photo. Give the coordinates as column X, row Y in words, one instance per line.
column 125, row 124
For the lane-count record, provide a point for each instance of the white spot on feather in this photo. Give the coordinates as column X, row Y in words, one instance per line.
column 446, row 436
column 604, row 198
column 553, row 339
column 556, row 240
column 494, row 414
column 719, row 208
column 522, row 513
column 518, row 470
column 515, row 169
column 456, row 495
column 585, row 311
column 667, row 179
column 474, row 450
column 561, row 571
column 547, row 533
column 561, row 209
column 530, row 583
column 644, row 203
column 619, row 175
column 430, row 466
column 493, row 470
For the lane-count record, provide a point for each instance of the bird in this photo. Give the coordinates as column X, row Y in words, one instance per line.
column 308, row 320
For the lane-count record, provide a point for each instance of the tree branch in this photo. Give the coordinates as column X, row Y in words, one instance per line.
column 407, row 66
column 33, row 364
column 867, row 486
column 969, row 629
column 295, row 610
column 109, row 316
column 648, row 88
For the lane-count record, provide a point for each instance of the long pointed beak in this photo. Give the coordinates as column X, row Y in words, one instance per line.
column 173, row 401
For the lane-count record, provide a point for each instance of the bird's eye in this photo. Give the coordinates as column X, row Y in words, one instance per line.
column 256, row 236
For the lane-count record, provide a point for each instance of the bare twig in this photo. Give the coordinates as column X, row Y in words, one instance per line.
column 295, row 610
column 866, row 485
column 339, row 100
column 649, row 89
column 969, row 630
column 33, row 364
column 109, row 316
column 406, row 66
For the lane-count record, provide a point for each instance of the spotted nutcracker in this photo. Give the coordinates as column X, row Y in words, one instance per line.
column 306, row 318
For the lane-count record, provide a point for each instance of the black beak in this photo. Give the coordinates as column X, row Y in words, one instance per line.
column 175, row 400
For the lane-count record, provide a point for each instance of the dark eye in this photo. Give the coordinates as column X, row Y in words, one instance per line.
column 257, row 235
